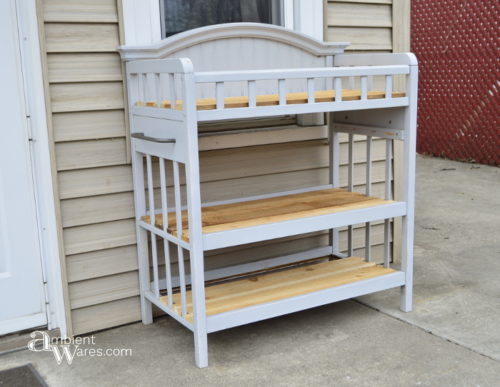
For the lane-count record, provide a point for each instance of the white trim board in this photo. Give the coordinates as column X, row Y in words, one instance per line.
column 40, row 154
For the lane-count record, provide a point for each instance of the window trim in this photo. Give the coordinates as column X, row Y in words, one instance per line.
column 306, row 18
column 277, row 14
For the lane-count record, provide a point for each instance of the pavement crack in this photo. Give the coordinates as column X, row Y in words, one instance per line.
column 423, row 329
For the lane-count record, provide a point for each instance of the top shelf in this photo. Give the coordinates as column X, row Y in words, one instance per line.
column 273, row 99
column 269, row 105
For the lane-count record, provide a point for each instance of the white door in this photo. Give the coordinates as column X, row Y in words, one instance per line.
column 22, row 298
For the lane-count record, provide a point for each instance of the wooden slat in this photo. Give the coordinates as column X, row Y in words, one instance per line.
column 104, row 289
column 101, row 263
column 278, row 209
column 89, row 11
column 81, row 37
column 107, row 315
column 90, row 125
column 96, row 209
column 359, row 15
column 87, row 154
column 91, row 67
column 273, row 99
column 72, row 97
column 95, row 181
column 362, row 38
column 99, row 236
column 279, row 285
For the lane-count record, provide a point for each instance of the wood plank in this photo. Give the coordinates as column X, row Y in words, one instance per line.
column 272, row 99
column 359, row 15
column 279, row 285
column 101, row 263
column 95, row 181
column 104, row 289
column 91, row 125
column 362, row 38
column 96, row 209
column 277, row 209
column 73, row 97
column 91, row 67
column 89, row 11
column 81, row 37
column 87, row 154
column 99, row 236
column 107, row 315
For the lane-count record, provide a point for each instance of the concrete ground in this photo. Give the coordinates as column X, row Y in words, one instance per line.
column 452, row 338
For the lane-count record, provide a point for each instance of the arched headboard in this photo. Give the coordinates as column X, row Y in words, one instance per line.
column 240, row 46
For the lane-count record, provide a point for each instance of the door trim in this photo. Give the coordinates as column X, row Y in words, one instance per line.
column 42, row 166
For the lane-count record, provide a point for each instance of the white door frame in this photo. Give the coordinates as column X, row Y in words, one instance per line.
column 300, row 15
column 43, row 179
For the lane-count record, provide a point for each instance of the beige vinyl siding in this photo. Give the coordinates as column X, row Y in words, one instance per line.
column 85, row 86
column 366, row 24
column 88, row 123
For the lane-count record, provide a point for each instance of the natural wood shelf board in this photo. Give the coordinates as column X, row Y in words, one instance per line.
column 274, row 286
column 276, row 209
column 273, row 99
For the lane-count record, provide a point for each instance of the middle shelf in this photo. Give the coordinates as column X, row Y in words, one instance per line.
column 273, row 217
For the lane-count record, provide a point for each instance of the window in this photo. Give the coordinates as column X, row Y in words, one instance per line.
column 182, row 15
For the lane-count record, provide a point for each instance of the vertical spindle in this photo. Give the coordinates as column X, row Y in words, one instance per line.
column 350, row 188
column 219, row 95
column 252, row 97
column 166, row 244
column 388, row 86
column 338, row 89
column 171, row 88
column 368, row 193
column 158, row 91
column 387, row 196
column 334, row 176
column 310, row 90
column 364, row 88
column 140, row 89
column 180, row 250
column 154, row 253
column 282, row 91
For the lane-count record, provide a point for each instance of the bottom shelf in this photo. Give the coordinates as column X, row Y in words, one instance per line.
column 279, row 285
